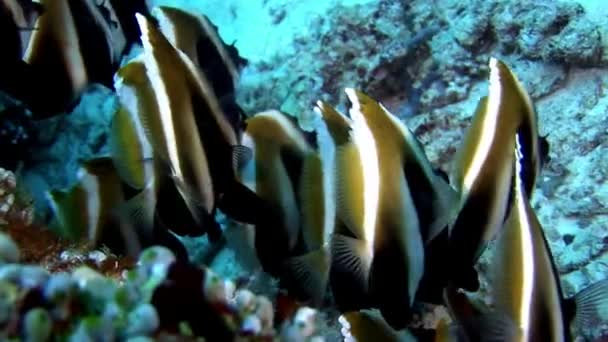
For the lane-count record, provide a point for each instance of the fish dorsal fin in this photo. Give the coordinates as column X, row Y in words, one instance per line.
column 464, row 154
column 311, row 273
column 312, row 201
column 352, row 256
column 350, row 188
column 590, row 303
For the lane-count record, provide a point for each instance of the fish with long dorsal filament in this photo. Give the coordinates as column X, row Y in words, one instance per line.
column 188, row 104
column 398, row 258
column 280, row 151
column 348, row 272
column 138, row 144
column 524, row 277
column 385, row 250
column 172, row 127
column 311, row 270
column 482, row 172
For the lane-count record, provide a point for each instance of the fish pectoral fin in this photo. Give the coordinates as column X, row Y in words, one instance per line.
column 311, row 272
column 139, row 212
column 589, row 304
column 241, row 203
column 353, row 256
column 241, row 155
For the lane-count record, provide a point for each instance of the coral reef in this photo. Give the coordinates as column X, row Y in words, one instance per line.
column 137, row 302
column 14, row 206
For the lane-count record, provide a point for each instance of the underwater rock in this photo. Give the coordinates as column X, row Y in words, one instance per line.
column 414, row 56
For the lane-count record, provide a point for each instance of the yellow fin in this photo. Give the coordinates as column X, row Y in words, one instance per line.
column 311, row 272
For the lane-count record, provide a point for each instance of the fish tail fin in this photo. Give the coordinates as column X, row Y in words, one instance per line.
column 311, row 272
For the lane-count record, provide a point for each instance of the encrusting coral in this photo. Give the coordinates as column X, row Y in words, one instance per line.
column 13, row 206
column 160, row 298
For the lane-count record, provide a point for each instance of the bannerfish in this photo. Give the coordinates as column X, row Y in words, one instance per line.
column 174, row 134
column 279, row 154
column 132, row 138
column 398, row 260
column 374, row 200
column 525, row 280
column 72, row 45
column 98, row 210
column 212, row 142
column 349, row 270
column 483, row 171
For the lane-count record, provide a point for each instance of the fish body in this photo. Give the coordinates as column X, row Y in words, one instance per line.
column 398, row 262
column 279, row 153
column 171, row 122
column 525, row 280
column 383, row 247
column 483, row 171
